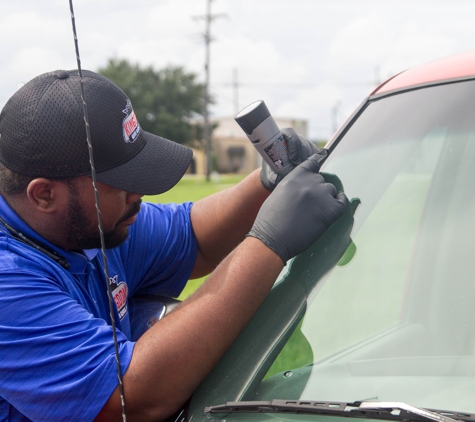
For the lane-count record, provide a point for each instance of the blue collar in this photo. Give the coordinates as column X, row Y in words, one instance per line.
column 76, row 260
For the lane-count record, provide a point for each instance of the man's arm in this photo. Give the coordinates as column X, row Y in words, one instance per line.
column 221, row 221
column 173, row 357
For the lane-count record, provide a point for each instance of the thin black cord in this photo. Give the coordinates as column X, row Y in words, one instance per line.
column 99, row 216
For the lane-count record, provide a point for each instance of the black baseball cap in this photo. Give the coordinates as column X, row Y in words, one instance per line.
column 42, row 134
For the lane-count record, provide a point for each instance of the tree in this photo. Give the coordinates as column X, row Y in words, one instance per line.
column 164, row 101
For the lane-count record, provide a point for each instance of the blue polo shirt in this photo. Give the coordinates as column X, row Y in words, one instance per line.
column 57, row 357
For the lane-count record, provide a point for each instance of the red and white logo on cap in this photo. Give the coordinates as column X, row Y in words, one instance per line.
column 119, row 293
column 130, row 124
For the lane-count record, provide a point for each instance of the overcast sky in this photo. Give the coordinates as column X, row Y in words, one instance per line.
column 308, row 59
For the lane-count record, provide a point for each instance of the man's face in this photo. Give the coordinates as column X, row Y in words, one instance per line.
column 117, row 210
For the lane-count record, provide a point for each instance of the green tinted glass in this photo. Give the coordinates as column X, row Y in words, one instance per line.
column 397, row 321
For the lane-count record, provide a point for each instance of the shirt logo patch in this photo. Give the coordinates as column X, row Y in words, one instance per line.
column 119, row 293
column 130, row 124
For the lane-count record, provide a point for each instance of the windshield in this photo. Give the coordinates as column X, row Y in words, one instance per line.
column 397, row 322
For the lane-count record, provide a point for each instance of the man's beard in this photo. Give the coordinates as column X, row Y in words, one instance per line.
column 81, row 233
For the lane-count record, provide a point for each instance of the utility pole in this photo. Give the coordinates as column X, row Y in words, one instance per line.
column 207, row 100
column 236, row 91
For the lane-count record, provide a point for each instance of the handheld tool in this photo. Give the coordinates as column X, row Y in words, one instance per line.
column 262, row 130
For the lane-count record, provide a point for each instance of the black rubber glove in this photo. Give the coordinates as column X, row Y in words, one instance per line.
column 299, row 147
column 298, row 211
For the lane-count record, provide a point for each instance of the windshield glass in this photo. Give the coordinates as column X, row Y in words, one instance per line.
column 397, row 322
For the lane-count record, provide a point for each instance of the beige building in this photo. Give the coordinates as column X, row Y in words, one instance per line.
column 233, row 151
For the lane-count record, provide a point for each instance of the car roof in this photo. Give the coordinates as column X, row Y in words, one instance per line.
column 460, row 66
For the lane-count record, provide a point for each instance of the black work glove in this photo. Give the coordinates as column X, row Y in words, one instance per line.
column 298, row 211
column 299, row 147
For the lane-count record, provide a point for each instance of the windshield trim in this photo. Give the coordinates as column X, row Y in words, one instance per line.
column 345, row 127
column 378, row 96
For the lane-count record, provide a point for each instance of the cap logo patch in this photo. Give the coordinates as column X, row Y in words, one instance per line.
column 130, row 124
column 119, row 293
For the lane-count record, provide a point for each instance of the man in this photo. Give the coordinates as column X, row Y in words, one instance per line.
column 57, row 359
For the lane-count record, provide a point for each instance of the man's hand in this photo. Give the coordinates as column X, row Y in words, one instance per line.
column 173, row 357
column 299, row 210
column 299, row 147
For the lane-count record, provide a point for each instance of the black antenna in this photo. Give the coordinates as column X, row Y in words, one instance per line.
column 99, row 216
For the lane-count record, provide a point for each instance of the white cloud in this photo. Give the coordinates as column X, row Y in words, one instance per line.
column 416, row 45
column 300, row 56
column 365, row 39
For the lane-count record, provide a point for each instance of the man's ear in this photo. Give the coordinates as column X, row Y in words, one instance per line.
column 47, row 196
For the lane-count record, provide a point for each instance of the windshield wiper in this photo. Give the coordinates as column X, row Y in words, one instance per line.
column 380, row 410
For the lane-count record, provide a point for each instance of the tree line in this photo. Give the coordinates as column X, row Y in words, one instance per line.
column 167, row 102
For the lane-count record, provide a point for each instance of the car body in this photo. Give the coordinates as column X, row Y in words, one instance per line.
column 382, row 307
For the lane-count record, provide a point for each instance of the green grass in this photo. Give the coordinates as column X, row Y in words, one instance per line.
column 193, row 188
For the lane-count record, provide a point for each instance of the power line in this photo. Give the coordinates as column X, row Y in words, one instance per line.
column 207, row 129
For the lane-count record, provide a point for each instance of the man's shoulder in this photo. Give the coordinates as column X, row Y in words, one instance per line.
column 12, row 252
column 162, row 217
column 18, row 257
column 161, row 208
